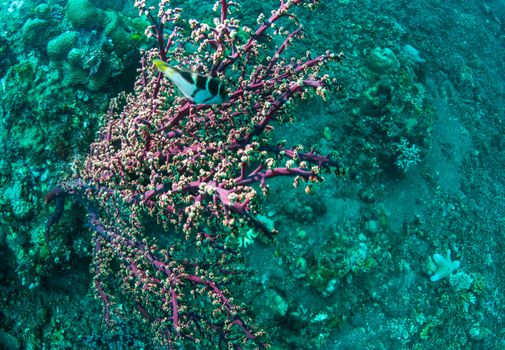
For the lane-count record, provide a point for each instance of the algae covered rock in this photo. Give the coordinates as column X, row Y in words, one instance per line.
column 42, row 11
column 270, row 304
column 375, row 98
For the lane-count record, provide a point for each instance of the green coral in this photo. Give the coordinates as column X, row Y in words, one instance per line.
column 26, row 70
column 76, row 57
column 99, row 79
column 117, row 31
column 124, row 32
column 83, row 14
column 21, row 208
column 73, row 75
column 58, row 47
column 35, row 31
column 375, row 98
column 380, row 62
column 73, row 70
column 42, row 11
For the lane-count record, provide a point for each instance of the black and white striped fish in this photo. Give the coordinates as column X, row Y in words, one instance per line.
column 201, row 89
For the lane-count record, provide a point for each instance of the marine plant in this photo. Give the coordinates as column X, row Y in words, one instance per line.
column 171, row 187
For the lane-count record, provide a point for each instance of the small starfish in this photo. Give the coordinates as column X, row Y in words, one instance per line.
column 445, row 266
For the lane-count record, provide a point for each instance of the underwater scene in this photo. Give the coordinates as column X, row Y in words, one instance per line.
column 242, row 174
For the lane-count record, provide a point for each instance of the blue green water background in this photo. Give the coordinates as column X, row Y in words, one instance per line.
column 403, row 252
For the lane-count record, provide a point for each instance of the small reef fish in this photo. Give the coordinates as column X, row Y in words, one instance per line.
column 201, row 89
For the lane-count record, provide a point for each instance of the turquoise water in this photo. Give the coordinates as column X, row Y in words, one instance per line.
column 166, row 239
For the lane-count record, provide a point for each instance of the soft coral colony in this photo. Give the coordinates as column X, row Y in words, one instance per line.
column 165, row 165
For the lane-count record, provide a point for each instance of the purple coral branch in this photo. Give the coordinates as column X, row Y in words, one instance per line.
column 174, row 277
column 184, row 164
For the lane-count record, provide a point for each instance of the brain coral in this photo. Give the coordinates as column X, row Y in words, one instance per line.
column 73, row 75
column 58, row 47
column 83, row 14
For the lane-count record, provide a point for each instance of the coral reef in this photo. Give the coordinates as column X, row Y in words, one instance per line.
column 331, row 277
